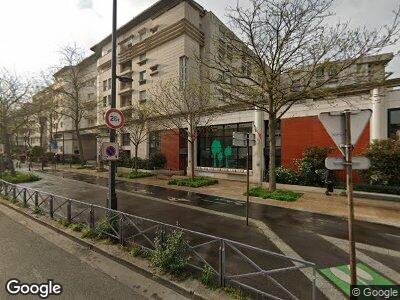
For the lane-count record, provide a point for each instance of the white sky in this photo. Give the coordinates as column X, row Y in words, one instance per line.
column 32, row 31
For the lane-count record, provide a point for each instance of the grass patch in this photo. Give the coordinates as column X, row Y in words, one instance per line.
column 279, row 195
column 197, row 182
column 18, row 177
column 235, row 293
column 38, row 211
column 77, row 227
column 63, row 222
column 134, row 175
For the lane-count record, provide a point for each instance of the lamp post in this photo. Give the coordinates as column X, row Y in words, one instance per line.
column 112, row 196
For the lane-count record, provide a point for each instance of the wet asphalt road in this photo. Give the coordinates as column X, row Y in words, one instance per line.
column 300, row 230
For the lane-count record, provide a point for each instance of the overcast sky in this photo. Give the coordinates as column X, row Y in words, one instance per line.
column 31, row 31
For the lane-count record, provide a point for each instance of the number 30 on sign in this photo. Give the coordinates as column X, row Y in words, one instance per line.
column 114, row 118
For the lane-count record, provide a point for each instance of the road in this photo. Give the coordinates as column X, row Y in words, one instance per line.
column 29, row 257
column 309, row 235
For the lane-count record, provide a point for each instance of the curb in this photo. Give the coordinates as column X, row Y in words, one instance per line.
column 155, row 277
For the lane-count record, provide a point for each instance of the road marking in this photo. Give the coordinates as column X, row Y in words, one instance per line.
column 381, row 268
column 326, row 287
column 340, row 276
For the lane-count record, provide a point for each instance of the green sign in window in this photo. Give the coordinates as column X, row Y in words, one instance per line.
column 340, row 276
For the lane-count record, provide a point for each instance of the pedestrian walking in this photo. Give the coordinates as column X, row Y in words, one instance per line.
column 329, row 178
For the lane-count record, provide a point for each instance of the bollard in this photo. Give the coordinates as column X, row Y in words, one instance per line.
column 69, row 218
column 222, row 263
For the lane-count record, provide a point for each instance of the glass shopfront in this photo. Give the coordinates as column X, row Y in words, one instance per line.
column 394, row 123
column 215, row 149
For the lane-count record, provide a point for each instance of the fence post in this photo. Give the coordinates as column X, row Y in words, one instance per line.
column 69, row 218
column 121, row 229
column 314, row 287
column 162, row 235
column 222, row 263
column 24, row 197
column 51, row 207
column 91, row 217
column 36, row 199
column 5, row 190
column 14, row 192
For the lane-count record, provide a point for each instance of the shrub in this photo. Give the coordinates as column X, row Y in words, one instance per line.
column 134, row 175
column 197, row 182
column 207, row 277
column 36, row 153
column 172, row 255
column 275, row 195
column 287, row 176
column 385, row 163
column 135, row 250
column 18, row 177
column 157, row 160
column 312, row 166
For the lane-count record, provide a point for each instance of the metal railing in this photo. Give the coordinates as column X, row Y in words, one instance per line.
column 257, row 270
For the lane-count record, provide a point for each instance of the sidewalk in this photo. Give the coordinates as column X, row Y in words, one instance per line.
column 377, row 211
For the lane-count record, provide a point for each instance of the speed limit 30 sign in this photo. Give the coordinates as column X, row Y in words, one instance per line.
column 114, row 118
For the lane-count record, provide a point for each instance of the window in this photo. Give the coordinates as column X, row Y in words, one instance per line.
column 105, row 101
column 154, row 142
column 394, row 123
column 142, row 77
column 142, row 96
column 91, row 122
column 126, row 100
column 215, row 149
column 142, row 35
column 126, row 139
column 142, row 56
column 109, row 100
column 126, row 66
column 104, row 85
column 183, row 71
column 320, row 72
column 109, row 83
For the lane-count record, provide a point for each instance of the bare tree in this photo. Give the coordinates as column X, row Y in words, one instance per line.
column 285, row 51
column 138, row 128
column 70, row 84
column 184, row 108
column 14, row 92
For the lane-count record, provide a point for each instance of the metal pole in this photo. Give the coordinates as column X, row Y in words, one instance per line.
column 349, row 183
column 247, row 179
column 112, row 197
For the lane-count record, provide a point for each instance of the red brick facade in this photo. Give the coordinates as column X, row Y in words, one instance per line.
column 170, row 147
column 300, row 133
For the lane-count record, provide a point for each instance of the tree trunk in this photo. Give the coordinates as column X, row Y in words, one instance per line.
column 192, row 158
column 136, row 158
column 80, row 146
column 272, row 150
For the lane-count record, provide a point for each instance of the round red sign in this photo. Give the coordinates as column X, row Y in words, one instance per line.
column 114, row 118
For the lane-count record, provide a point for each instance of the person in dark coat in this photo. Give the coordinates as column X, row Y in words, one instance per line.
column 329, row 178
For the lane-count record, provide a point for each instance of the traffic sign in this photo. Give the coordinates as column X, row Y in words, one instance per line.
column 339, row 163
column 334, row 123
column 114, row 118
column 109, row 151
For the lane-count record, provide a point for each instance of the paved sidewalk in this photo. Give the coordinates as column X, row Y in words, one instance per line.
column 377, row 211
column 33, row 253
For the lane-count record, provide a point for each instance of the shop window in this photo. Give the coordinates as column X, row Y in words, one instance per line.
column 394, row 123
column 215, row 149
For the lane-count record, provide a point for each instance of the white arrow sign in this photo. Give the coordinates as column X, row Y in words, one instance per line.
column 339, row 163
column 334, row 123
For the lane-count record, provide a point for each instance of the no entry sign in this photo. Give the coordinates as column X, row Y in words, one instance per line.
column 114, row 118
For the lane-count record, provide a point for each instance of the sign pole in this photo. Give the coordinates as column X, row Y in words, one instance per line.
column 248, row 178
column 112, row 196
column 349, row 183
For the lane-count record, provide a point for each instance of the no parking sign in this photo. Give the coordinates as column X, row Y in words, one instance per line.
column 110, row 151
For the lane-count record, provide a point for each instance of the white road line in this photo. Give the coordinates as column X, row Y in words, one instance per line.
column 385, row 270
column 323, row 285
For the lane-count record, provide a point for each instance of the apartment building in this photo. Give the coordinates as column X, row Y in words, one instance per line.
column 64, row 135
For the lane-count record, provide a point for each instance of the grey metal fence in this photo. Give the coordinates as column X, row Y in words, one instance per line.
column 266, row 273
